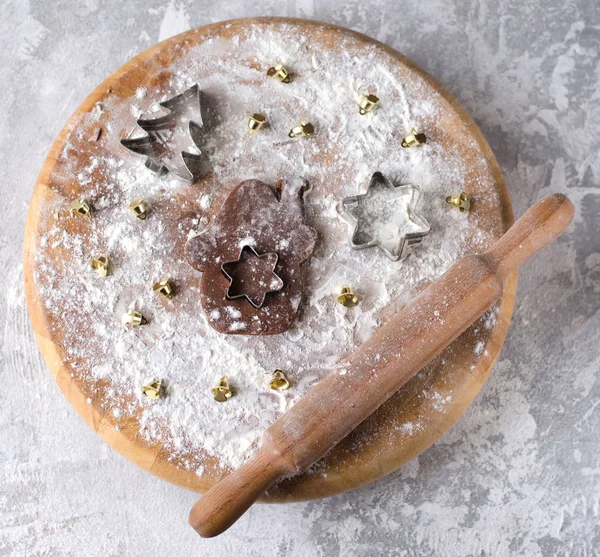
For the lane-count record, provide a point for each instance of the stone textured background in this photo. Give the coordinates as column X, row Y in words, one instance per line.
column 518, row 475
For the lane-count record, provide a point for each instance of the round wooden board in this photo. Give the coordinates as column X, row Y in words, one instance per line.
column 457, row 375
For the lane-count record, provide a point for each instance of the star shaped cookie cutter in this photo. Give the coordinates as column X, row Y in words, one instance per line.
column 253, row 287
column 169, row 137
column 386, row 216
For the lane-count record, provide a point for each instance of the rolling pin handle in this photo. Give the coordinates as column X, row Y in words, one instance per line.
column 230, row 498
column 541, row 223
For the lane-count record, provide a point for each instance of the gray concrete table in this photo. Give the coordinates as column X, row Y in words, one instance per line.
column 518, row 475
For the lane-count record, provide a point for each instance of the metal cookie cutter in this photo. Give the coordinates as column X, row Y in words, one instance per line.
column 170, row 137
column 252, row 276
column 386, row 216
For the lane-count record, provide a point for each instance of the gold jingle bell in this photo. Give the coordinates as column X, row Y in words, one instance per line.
column 461, row 201
column 279, row 381
column 347, row 298
column 413, row 139
column 367, row 103
column 81, row 207
column 139, row 209
column 153, row 390
column 133, row 319
column 100, row 265
column 256, row 122
column 163, row 287
column 302, row 129
column 280, row 73
column 222, row 392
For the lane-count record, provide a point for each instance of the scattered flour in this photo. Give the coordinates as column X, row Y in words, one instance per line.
column 178, row 345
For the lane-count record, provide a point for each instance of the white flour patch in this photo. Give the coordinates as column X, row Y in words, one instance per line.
column 178, row 345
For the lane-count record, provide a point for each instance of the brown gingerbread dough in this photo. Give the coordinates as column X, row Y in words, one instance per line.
column 269, row 221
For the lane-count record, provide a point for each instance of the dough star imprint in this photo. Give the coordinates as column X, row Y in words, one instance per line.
column 386, row 216
column 252, row 276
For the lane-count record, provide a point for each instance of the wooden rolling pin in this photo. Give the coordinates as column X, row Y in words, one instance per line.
column 394, row 354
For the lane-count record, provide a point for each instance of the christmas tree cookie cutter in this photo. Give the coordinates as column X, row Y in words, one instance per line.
column 386, row 217
column 169, row 143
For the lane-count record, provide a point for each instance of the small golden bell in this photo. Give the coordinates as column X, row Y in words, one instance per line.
column 139, row 209
column 153, row 390
column 81, row 207
column 302, row 129
column 367, row 103
column 280, row 73
column 413, row 139
column 279, row 381
column 347, row 298
column 256, row 122
column 222, row 392
column 461, row 201
column 100, row 265
column 163, row 287
column 133, row 319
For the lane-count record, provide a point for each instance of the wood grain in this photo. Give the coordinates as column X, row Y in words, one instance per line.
column 457, row 373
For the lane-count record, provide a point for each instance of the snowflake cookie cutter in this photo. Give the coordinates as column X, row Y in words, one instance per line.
column 261, row 288
column 169, row 143
column 386, row 217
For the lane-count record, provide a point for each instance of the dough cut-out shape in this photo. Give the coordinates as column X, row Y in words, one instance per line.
column 269, row 221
